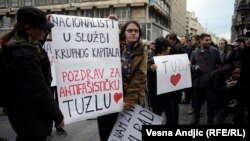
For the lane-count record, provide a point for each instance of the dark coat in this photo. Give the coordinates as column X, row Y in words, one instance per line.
column 30, row 104
column 208, row 63
column 134, row 84
column 224, row 95
column 244, row 58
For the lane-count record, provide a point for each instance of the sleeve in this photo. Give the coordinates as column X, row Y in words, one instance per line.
column 137, row 86
column 192, row 60
column 30, row 81
column 150, row 62
column 218, row 58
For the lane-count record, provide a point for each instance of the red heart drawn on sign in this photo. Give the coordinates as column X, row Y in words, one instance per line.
column 175, row 79
column 117, row 97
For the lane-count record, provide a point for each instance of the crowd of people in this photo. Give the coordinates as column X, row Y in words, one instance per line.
column 219, row 77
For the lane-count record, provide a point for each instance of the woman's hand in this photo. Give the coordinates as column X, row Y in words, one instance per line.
column 127, row 105
column 48, row 17
column 61, row 125
column 231, row 83
column 113, row 17
column 232, row 103
column 153, row 67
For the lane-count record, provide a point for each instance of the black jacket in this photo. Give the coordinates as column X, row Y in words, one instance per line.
column 30, row 104
column 224, row 95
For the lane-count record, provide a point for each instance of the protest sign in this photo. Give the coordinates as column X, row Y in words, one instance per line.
column 129, row 123
column 50, row 51
column 88, row 66
column 173, row 73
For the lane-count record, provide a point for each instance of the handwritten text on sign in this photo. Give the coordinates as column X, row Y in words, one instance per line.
column 129, row 123
column 173, row 73
column 88, row 67
column 49, row 49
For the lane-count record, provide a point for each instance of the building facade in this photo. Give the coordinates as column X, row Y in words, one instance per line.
column 240, row 19
column 178, row 16
column 193, row 25
column 153, row 15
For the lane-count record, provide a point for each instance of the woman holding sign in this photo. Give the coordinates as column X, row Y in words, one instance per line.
column 164, row 102
column 134, row 70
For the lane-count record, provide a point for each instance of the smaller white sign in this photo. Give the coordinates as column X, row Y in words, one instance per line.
column 129, row 123
column 173, row 73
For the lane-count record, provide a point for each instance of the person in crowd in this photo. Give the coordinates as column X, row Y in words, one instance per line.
column 27, row 77
column 176, row 48
column 211, row 42
column 151, row 48
column 134, row 71
column 60, row 131
column 236, row 48
column 231, row 94
column 225, row 51
column 194, row 44
column 244, row 58
column 184, row 42
column 204, row 63
column 164, row 102
column 3, row 111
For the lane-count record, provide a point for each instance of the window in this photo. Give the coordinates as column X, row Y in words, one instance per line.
column 143, row 29
column 26, row 3
column 3, row 4
column 148, row 31
column 49, row 2
column 64, row 1
column 40, row 2
column 78, row 13
column 156, row 31
column 6, row 21
column 88, row 13
column 148, row 35
column 14, row 3
column 72, row 13
column 122, row 13
column 102, row 13
column 71, row 1
column 56, row 1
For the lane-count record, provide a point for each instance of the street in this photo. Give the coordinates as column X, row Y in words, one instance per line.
column 86, row 130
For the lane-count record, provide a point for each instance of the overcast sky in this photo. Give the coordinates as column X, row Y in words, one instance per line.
column 215, row 15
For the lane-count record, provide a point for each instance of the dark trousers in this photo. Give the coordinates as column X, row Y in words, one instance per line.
column 54, row 91
column 106, row 124
column 241, row 115
column 200, row 96
column 33, row 138
column 177, row 95
column 165, row 103
column 188, row 95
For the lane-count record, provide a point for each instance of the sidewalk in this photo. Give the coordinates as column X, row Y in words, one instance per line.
column 87, row 130
column 80, row 131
